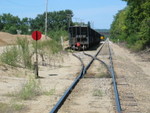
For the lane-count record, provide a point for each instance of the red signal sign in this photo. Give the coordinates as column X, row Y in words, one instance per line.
column 36, row 35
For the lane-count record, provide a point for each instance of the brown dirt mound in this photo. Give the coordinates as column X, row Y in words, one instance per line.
column 9, row 39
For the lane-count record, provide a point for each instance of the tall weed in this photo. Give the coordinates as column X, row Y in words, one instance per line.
column 25, row 51
column 10, row 56
column 30, row 89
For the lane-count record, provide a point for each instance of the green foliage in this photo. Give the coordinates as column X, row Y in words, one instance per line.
column 132, row 24
column 48, row 46
column 50, row 92
column 139, row 45
column 97, row 93
column 20, row 55
column 10, row 56
column 56, row 34
column 3, row 107
column 13, row 108
column 30, row 89
column 18, row 107
column 118, row 27
column 25, row 52
column 56, row 20
column 10, row 23
column 15, row 55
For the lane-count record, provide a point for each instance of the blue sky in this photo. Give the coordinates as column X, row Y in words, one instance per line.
column 99, row 12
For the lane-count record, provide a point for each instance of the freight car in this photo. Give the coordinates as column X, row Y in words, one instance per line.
column 83, row 37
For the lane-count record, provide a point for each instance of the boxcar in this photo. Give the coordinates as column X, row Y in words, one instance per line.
column 83, row 37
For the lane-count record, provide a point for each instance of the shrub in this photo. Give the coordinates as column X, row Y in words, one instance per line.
column 49, row 93
column 48, row 45
column 10, row 56
column 13, row 108
column 139, row 45
column 30, row 89
column 25, row 52
column 56, row 34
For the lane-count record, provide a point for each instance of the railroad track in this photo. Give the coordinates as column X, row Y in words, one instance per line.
column 117, row 84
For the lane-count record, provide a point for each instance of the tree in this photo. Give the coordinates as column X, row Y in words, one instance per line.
column 10, row 23
column 56, row 20
column 133, row 24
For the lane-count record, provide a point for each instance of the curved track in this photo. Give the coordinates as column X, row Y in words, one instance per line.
column 83, row 72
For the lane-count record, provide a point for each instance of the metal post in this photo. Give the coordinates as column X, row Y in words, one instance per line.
column 36, row 64
column 69, row 20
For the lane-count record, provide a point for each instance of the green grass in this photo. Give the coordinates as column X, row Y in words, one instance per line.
column 98, row 93
column 103, row 75
column 30, row 89
column 18, row 107
column 47, row 46
column 49, row 93
column 3, row 107
column 10, row 56
column 17, row 56
column 102, row 72
column 25, row 52
column 11, row 108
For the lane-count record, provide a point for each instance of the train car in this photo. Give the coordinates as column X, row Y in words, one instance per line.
column 83, row 37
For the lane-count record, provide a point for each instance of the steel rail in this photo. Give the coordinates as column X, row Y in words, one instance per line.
column 99, row 61
column 111, row 70
column 68, row 91
column 117, row 100
column 93, row 58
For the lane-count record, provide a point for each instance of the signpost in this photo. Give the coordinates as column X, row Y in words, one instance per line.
column 36, row 35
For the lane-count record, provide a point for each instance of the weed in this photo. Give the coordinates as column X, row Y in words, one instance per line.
column 25, row 51
column 30, row 89
column 50, row 92
column 11, row 108
column 15, row 55
column 10, row 56
column 102, row 72
column 17, row 107
column 3, row 107
column 103, row 75
column 98, row 93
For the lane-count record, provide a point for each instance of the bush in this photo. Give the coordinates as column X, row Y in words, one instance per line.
column 56, row 34
column 25, row 52
column 13, row 108
column 15, row 55
column 139, row 45
column 10, row 56
column 30, row 89
column 48, row 45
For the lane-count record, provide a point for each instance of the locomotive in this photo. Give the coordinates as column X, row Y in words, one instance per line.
column 83, row 37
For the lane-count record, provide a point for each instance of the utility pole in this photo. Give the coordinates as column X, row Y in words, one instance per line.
column 69, row 19
column 46, row 19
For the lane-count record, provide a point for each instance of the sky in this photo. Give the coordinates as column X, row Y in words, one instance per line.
column 99, row 12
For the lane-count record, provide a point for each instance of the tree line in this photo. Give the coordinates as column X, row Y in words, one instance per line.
column 132, row 24
column 56, row 20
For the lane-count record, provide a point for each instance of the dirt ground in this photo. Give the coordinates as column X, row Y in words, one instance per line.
column 136, row 70
column 9, row 39
column 56, row 76
column 134, row 67
column 93, row 93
